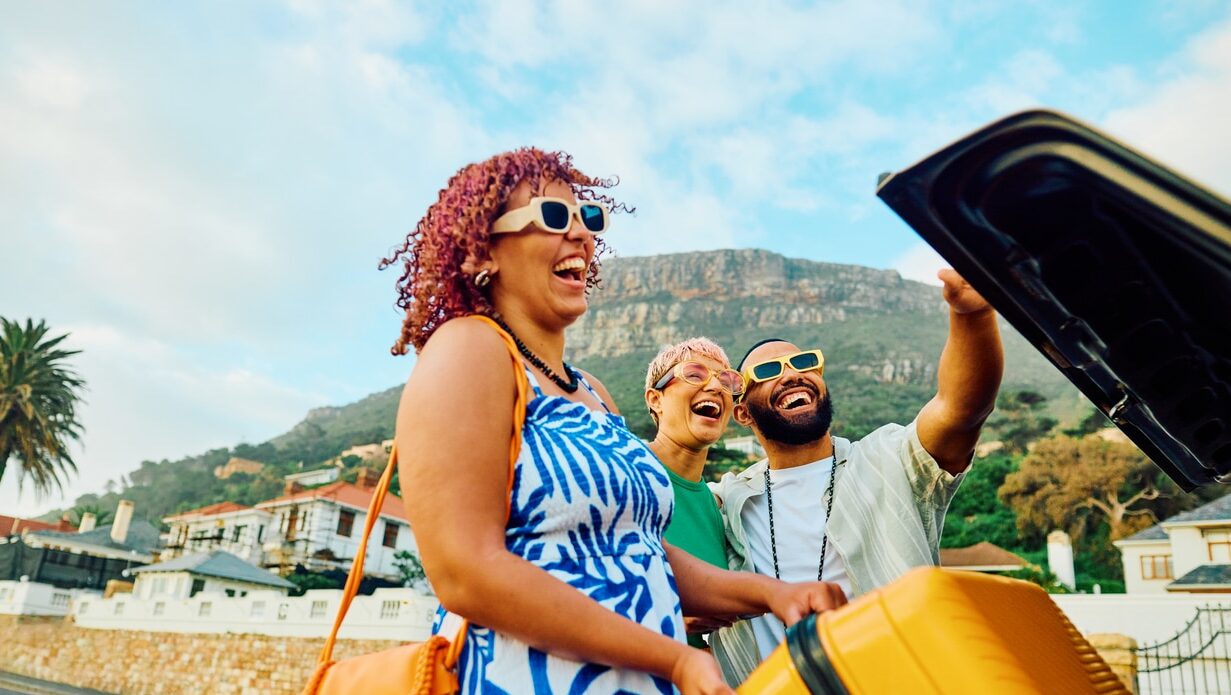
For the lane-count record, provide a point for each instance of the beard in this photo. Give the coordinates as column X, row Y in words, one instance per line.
column 793, row 429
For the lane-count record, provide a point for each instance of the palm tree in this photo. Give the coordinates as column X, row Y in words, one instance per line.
column 39, row 394
column 101, row 516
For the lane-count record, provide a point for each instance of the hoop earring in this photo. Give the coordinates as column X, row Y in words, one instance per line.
column 482, row 278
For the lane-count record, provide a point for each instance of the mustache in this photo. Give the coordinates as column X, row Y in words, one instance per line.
column 795, row 382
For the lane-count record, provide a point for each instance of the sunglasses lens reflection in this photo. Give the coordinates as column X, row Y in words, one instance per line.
column 555, row 215
column 805, row 361
column 767, row 370
column 592, row 218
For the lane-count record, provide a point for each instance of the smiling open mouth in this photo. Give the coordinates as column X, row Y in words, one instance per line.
column 708, row 409
column 795, row 399
column 570, row 269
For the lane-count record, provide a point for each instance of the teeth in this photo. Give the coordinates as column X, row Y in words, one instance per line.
column 711, row 406
column 573, row 263
column 794, row 399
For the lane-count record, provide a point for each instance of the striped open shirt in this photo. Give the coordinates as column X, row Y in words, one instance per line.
column 890, row 498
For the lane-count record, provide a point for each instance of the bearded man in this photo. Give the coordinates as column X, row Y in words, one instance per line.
column 859, row 514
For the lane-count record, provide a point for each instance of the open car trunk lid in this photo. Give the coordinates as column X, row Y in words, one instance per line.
column 1116, row 268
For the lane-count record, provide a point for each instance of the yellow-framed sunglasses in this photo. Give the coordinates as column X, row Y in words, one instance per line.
column 804, row 361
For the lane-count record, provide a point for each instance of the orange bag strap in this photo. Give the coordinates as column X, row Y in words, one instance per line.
column 382, row 488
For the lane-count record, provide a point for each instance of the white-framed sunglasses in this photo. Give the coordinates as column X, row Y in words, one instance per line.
column 553, row 215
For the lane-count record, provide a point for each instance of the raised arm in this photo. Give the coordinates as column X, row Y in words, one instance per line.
column 453, row 429
column 971, row 366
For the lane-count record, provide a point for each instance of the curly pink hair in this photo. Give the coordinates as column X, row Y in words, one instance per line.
column 443, row 252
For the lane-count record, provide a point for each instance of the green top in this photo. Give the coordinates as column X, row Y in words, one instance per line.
column 696, row 527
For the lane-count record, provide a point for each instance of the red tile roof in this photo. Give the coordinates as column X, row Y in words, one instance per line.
column 347, row 494
column 12, row 525
column 982, row 554
column 210, row 510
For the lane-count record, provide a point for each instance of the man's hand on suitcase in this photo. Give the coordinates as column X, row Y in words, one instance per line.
column 791, row 602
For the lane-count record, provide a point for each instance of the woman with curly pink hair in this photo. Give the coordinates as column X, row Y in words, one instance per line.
column 576, row 592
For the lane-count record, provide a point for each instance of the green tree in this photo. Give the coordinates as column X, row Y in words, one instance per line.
column 720, row 460
column 101, row 516
column 977, row 513
column 1079, row 484
column 410, row 567
column 1020, row 418
column 39, row 395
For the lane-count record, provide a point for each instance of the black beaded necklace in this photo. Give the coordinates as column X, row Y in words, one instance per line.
column 569, row 386
column 773, row 543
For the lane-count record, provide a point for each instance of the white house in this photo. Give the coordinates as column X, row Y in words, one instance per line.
column 321, row 528
column 1189, row 552
column 235, row 528
column 746, row 445
column 215, row 572
column 320, row 476
column 375, row 453
column 37, row 598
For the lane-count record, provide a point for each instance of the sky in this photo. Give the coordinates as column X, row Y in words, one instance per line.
column 199, row 193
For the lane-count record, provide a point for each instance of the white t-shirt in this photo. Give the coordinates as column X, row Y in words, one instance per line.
column 799, row 529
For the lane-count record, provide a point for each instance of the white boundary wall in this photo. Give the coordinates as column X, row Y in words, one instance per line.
column 36, row 598
column 388, row 614
column 406, row 614
column 1144, row 617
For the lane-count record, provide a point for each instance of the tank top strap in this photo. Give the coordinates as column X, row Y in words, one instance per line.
column 581, row 377
column 534, row 382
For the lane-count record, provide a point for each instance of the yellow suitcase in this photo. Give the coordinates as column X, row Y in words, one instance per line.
column 937, row 631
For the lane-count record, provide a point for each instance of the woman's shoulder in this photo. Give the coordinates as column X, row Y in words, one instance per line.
column 466, row 334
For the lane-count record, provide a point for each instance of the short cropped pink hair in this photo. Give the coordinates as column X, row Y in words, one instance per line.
column 672, row 355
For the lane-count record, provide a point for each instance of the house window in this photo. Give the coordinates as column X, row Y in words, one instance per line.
column 82, row 608
column 119, row 608
column 160, row 608
column 346, row 522
column 59, row 600
column 391, row 535
column 258, row 609
column 260, row 533
column 1156, row 567
column 282, row 608
column 205, row 609
column 318, row 609
column 231, row 593
column 1219, row 544
column 236, row 533
column 6, row 594
column 291, row 518
column 198, row 585
column 389, row 609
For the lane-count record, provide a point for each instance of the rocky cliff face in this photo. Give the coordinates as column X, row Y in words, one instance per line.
column 647, row 302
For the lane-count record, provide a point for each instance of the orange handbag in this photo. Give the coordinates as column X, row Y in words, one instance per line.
column 427, row 668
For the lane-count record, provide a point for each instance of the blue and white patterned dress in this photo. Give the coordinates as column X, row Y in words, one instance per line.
column 590, row 502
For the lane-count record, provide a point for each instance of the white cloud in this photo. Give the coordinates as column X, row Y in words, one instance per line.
column 920, row 262
column 1183, row 120
column 203, row 223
